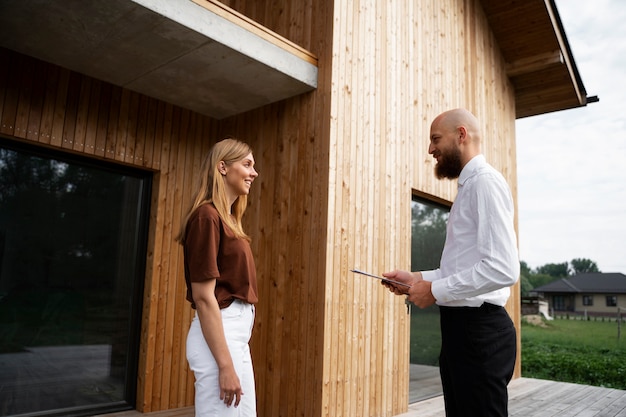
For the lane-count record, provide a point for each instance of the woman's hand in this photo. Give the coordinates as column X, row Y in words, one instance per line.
column 210, row 318
column 230, row 387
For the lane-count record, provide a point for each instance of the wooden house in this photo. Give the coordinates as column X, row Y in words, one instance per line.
column 336, row 99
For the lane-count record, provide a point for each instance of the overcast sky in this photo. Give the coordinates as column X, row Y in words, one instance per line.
column 572, row 163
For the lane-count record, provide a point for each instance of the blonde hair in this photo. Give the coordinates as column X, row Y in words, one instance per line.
column 211, row 187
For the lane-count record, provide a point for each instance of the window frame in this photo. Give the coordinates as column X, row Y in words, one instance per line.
column 611, row 300
column 417, row 390
column 144, row 211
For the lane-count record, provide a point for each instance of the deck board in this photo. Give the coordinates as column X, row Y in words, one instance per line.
column 541, row 398
column 527, row 397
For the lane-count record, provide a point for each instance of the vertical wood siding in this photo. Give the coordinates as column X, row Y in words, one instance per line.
column 337, row 166
column 54, row 107
column 394, row 67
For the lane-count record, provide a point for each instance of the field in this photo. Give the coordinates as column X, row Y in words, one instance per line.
column 579, row 351
column 425, row 336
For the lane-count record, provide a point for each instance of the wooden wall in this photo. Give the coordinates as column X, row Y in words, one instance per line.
column 394, row 67
column 337, row 166
column 57, row 108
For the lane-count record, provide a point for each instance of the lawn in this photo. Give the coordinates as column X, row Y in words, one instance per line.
column 579, row 351
column 567, row 350
column 425, row 336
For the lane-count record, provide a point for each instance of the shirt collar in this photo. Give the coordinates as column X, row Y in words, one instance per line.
column 470, row 167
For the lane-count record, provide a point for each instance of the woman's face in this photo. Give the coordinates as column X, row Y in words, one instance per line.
column 238, row 177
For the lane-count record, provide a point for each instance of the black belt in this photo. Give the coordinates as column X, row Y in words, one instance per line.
column 485, row 307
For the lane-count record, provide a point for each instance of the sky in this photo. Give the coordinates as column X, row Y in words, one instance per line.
column 572, row 163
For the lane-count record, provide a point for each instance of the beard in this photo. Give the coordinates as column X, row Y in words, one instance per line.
column 449, row 165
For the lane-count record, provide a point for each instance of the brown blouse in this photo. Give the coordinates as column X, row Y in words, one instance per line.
column 212, row 251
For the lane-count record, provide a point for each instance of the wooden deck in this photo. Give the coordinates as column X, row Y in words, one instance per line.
column 527, row 398
column 540, row 398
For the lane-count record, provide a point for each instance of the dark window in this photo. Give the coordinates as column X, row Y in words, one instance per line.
column 428, row 235
column 611, row 301
column 559, row 303
column 587, row 300
column 72, row 262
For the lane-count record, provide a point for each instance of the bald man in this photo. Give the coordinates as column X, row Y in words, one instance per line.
column 478, row 266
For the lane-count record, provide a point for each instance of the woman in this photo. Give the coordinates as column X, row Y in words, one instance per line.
column 221, row 283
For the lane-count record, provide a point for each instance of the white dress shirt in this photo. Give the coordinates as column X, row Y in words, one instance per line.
column 480, row 260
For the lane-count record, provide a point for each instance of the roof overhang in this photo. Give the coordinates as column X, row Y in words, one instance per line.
column 197, row 54
column 538, row 58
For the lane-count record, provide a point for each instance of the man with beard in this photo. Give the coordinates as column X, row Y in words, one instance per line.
column 478, row 265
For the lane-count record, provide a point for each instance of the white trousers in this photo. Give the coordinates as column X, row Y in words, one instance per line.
column 238, row 319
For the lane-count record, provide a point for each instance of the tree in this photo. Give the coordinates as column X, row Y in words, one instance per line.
column 554, row 270
column 583, row 265
column 428, row 235
column 524, row 278
column 545, row 274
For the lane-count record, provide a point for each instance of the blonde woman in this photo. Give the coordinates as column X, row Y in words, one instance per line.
column 221, row 283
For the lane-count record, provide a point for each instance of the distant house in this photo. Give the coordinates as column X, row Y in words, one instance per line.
column 594, row 293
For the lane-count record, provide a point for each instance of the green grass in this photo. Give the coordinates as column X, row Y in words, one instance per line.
column 578, row 351
column 584, row 352
column 425, row 336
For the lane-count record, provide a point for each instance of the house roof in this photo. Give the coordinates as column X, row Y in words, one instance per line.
column 539, row 61
column 204, row 56
column 597, row 282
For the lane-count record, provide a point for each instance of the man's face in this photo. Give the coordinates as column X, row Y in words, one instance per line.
column 444, row 147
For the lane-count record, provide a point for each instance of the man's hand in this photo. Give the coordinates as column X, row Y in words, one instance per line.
column 405, row 277
column 420, row 293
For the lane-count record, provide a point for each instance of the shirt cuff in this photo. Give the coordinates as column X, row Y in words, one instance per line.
column 429, row 275
column 438, row 289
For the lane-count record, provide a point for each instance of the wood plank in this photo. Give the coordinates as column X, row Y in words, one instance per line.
column 535, row 397
column 178, row 412
column 96, row 99
column 110, row 141
column 160, row 394
column 250, row 25
column 60, row 109
column 23, row 104
column 5, row 67
column 156, row 268
column 181, row 307
column 52, row 75
column 82, row 115
column 140, row 136
column 131, row 128
column 104, row 110
column 147, row 156
column 38, row 95
column 71, row 110
column 122, row 126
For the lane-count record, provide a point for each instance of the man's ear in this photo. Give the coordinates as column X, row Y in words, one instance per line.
column 462, row 134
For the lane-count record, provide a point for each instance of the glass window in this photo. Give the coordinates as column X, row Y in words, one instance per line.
column 72, row 262
column 428, row 235
column 559, row 303
column 611, row 301
column 587, row 300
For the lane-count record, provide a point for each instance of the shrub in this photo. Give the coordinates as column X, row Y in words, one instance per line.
column 584, row 352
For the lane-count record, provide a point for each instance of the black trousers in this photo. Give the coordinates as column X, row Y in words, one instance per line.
column 477, row 359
